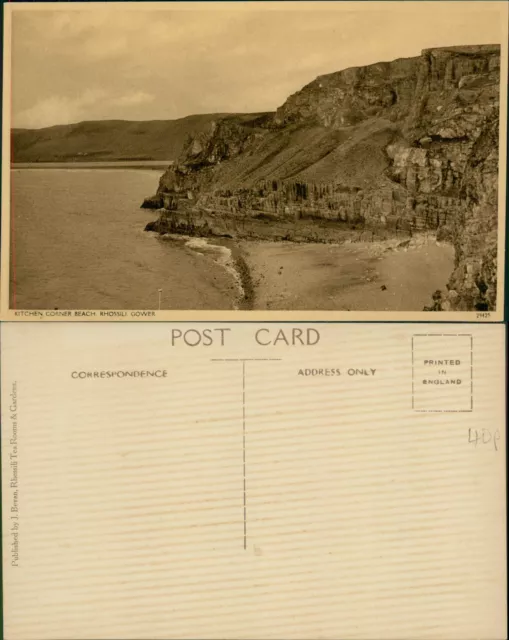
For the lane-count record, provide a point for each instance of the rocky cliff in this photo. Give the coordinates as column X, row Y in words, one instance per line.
column 405, row 146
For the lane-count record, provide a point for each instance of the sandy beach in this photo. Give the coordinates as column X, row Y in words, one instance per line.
column 380, row 276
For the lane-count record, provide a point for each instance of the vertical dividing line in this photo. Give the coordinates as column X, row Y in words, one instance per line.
column 471, row 373
column 244, row 445
column 413, row 396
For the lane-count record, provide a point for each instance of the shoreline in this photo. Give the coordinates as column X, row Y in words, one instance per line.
column 226, row 256
column 247, row 302
column 390, row 275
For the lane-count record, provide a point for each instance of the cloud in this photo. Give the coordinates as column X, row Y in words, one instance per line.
column 65, row 110
column 58, row 110
column 184, row 58
column 134, row 99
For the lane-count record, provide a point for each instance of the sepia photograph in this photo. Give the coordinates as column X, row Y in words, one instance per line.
column 347, row 487
column 336, row 160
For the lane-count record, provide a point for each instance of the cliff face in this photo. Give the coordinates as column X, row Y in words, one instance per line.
column 406, row 145
column 347, row 97
column 475, row 227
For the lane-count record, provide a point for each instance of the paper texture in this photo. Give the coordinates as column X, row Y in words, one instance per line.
column 253, row 481
column 254, row 161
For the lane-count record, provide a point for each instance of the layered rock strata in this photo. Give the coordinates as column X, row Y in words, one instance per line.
column 402, row 147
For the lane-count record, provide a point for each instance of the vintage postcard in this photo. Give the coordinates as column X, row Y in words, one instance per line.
column 254, row 161
column 253, row 481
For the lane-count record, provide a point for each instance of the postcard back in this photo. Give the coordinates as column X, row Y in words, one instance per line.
column 230, row 481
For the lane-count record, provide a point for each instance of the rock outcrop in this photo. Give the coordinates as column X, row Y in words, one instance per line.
column 405, row 146
column 475, row 227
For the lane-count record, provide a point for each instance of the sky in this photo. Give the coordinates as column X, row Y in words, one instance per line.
column 140, row 62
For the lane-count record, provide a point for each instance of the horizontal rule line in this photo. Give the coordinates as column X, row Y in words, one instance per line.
column 443, row 410
column 246, row 359
column 442, row 335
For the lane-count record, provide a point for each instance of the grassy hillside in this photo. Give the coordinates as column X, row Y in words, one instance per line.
column 109, row 140
column 351, row 156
